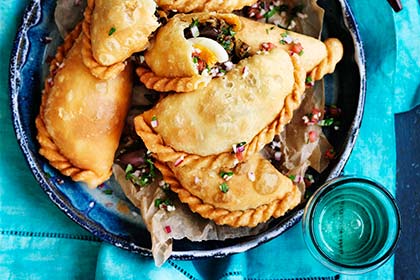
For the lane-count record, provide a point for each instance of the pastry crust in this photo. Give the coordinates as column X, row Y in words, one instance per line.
column 172, row 68
column 254, row 181
column 166, row 84
column 316, row 54
column 194, row 177
column 230, row 110
column 108, row 43
column 81, row 117
column 186, row 6
column 249, row 217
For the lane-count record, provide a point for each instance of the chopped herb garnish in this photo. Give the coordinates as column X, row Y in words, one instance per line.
column 227, row 45
column 228, row 31
column 143, row 175
column 112, row 31
column 108, row 192
column 301, row 53
column 226, row 175
column 195, row 59
column 326, row 122
column 151, row 167
column 194, row 23
column 285, row 38
column 308, row 80
column 154, row 123
column 292, row 177
column 164, row 185
column 128, row 171
column 164, row 204
column 271, row 13
column 158, row 202
column 308, row 179
column 224, row 187
column 241, row 144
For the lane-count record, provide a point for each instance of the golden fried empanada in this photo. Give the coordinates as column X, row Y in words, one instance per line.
column 245, row 194
column 313, row 52
column 81, row 117
column 170, row 56
column 242, row 104
column 230, row 110
column 186, row 6
column 114, row 30
column 249, row 184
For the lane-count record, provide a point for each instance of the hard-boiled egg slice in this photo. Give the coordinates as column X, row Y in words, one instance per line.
column 210, row 50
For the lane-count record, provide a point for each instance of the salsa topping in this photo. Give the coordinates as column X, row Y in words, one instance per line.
column 165, row 204
column 276, row 12
column 143, row 174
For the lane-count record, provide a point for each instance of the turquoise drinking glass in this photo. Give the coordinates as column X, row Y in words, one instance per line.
column 351, row 225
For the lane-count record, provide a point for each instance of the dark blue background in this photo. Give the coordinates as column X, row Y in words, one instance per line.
column 407, row 256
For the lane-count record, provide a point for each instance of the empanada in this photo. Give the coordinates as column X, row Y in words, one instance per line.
column 186, row 6
column 186, row 51
column 220, row 40
column 81, row 117
column 243, row 194
column 114, row 30
column 315, row 55
column 258, row 190
column 231, row 109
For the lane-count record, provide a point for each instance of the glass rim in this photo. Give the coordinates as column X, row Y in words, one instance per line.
column 327, row 187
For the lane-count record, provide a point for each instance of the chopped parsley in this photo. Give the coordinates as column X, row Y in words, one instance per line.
column 108, row 192
column 194, row 23
column 224, row 187
column 143, row 175
column 326, row 122
column 241, row 144
column 165, row 204
column 112, row 31
column 271, row 13
column 226, row 175
column 228, row 31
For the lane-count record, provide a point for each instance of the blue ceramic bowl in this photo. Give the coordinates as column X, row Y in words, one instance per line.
column 99, row 210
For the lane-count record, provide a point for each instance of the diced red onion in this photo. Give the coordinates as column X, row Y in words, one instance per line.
column 179, row 161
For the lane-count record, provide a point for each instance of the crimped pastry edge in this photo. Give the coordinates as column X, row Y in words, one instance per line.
column 47, row 147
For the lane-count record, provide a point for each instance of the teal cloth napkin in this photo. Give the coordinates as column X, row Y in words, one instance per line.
column 37, row 241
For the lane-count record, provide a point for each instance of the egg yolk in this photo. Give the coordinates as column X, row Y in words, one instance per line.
column 206, row 54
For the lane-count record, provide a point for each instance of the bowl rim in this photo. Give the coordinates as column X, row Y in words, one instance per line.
column 32, row 16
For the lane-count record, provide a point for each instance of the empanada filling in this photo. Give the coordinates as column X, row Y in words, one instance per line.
column 280, row 13
column 215, row 47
